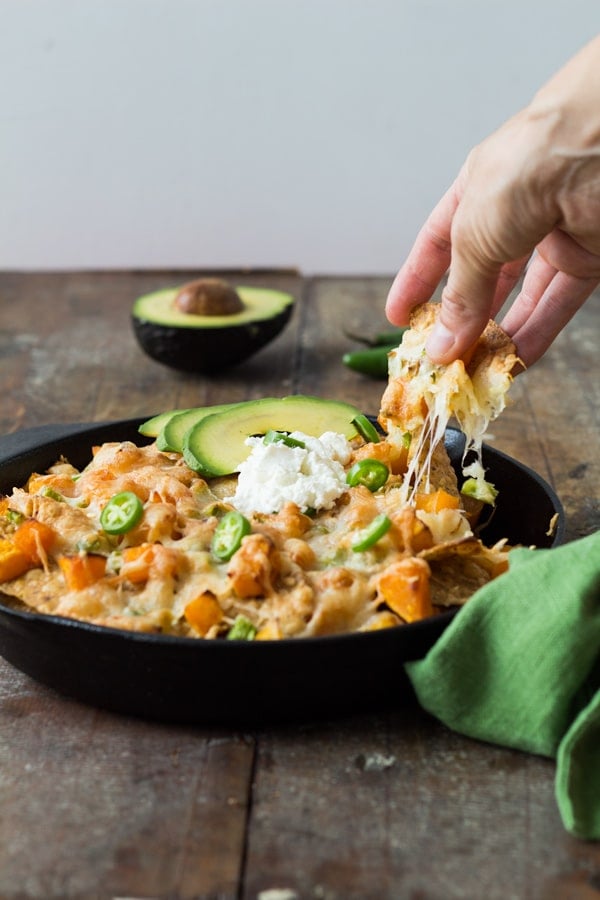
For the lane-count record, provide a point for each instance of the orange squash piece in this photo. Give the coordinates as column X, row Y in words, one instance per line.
column 13, row 562
column 34, row 539
column 422, row 538
column 436, row 501
column 82, row 571
column 137, row 562
column 35, row 482
column 405, row 588
column 148, row 560
column 203, row 612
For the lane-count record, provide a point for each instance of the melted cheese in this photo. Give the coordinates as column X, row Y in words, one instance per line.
column 294, row 574
column 422, row 397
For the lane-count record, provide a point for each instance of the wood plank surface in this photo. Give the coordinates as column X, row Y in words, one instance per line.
column 388, row 805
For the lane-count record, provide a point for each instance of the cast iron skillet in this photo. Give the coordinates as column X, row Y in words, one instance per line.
column 237, row 683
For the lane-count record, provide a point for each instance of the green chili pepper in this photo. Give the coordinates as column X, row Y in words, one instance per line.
column 228, row 535
column 372, row 362
column 372, row 533
column 393, row 337
column 366, row 429
column 371, row 473
column 121, row 513
column 241, row 630
column 281, row 437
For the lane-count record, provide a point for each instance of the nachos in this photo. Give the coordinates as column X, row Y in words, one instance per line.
column 382, row 533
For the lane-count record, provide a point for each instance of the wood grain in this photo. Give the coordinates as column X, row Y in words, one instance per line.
column 391, row 805
column 101, row 805
column 399, row 807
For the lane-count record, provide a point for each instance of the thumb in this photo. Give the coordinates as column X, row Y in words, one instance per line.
column 466, row 306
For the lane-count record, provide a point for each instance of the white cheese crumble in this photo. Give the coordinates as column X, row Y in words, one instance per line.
column 312, row 476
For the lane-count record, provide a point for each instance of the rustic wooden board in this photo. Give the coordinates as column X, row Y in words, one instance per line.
column 389, row 805
column 99, row 805
column 397, row 806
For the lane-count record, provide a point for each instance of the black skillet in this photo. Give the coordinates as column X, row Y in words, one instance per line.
column 238, row 683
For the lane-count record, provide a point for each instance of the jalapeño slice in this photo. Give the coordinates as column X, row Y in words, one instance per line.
column 372, row 533
column 366, row 429
column 371, row 473
column 228, row 535
column 121, row 513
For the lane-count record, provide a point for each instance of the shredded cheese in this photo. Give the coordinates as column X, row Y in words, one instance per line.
column 422, row 398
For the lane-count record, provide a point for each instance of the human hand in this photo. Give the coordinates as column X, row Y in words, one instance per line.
column 527, row 198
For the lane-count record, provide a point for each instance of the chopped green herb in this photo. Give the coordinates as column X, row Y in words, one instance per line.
column 52, row 494
column 281, row 437
column 480, row 490
column 241, row 630
column 90, row 544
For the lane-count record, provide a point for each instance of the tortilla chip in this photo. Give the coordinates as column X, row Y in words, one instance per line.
column 422, row 397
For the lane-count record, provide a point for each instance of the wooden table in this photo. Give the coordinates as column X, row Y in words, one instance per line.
column 389, row 805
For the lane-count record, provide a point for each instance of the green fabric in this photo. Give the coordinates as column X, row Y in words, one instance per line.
column 578, row 773
column 520, row 666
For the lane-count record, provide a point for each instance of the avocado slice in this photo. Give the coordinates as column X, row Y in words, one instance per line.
column 153, row 427
column 216, row 445
column 208, row 343
column 171, row 436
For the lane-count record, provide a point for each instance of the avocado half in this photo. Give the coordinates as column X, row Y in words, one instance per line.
column 209, row 343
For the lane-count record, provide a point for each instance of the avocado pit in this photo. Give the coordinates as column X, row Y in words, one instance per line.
column 207, row 325
column 208, row 297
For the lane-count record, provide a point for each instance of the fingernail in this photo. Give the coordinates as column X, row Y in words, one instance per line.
column 440, row 342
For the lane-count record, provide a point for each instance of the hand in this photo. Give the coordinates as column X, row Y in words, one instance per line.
column 526, row 200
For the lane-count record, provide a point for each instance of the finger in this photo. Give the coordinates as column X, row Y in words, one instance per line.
column 568, row 255
column 467, row 302
column 426, row 263
column 558, row 304
column 507, row 280
column 537, row 279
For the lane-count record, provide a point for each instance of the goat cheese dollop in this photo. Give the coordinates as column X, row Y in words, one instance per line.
column 312, row 476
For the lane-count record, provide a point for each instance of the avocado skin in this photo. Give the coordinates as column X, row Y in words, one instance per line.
column 207, row 350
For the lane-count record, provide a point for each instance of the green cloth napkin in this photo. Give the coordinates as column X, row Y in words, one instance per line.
column 520, row 666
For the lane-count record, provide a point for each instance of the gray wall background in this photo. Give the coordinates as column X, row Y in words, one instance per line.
column 315, row 133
